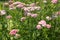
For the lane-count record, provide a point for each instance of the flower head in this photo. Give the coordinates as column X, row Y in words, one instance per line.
column 10, row 2
column 54, row 1
column 26, row 9
column 34, row 15
column 13, row 32
column 20, row 6
column 17, row 3
column 42, row 22
column 23, row 18
column 33, row 4
column 2, row 12
column 28, row 14
column 9, row 16
column 48, row 25
column 48, row 18
column 38, row 27
column 58, row 13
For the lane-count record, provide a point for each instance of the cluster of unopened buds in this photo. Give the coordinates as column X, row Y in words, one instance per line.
column 42, row 23
column 14, row 33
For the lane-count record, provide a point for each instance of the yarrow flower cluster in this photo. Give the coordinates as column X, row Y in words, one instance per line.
column 13, row 32
column 32, row 4
column 38, row 27
column 8, row 17
column 48, row 18
column 32, row 15
column 31, row 8
column 23, row 6
column 11, row 2
column 23, row 19
column 58, row 13
column 16, row 4
column 28, row 9
column 54, row 1
column 43, row 23
column 2, row 12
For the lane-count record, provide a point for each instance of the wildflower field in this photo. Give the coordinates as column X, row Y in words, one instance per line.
column 29, row 19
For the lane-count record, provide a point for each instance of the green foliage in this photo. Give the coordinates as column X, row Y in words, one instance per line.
column 27, row 29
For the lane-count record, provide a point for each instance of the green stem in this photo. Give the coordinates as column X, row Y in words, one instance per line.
column 45, row 34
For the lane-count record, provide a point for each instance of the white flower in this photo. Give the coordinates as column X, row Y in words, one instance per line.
column 2, row 12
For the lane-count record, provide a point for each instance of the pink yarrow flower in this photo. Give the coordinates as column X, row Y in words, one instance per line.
column 23, row 18
column 38, row 27
column 16, row 3
column 58, row 13
column 11, row 7
column 54, row 1
column 25, row 9
column 20, row 6
column 13, row 32
column 42, row 22
column 29, row 14
column 2, row 12
column 33, row 4
column 9, row 16
column 34, row 15
column 10, row 2
column 48, row 25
